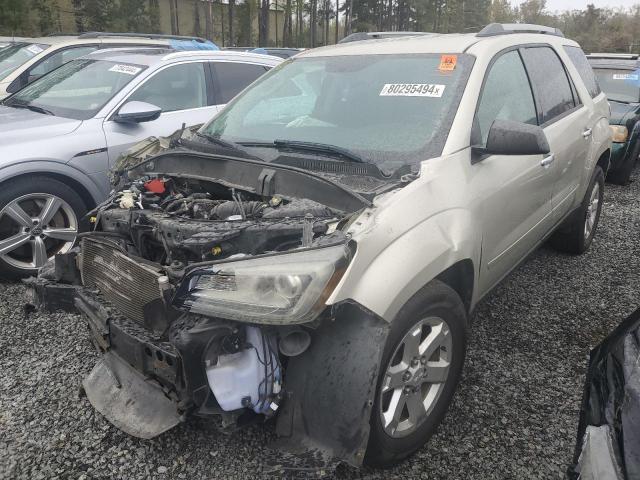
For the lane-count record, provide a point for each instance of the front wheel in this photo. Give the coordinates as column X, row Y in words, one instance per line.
column 421, row 366
column 39, row 218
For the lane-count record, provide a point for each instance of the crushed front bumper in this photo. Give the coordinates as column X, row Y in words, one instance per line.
column 134, row 383
column 145, row 385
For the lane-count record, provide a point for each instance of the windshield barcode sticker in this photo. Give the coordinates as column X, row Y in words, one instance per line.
column 625, row 76
column 128, row 69
column 412, row 90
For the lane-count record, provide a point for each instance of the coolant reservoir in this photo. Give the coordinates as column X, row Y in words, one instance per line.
column 241, row 375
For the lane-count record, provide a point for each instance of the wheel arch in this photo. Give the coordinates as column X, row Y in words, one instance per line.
column 461, row 278
column 87, row 196
column 604, row 161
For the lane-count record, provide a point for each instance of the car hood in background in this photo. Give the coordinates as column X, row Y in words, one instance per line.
column 621, row 112
column 19, row 125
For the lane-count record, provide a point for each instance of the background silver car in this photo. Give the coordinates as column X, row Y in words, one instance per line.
column 60, row 135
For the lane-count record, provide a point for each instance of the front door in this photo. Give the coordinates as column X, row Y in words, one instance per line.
column 514, row 191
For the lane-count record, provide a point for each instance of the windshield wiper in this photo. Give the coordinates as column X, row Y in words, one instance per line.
column 33, row 108
column 217, row 140
column 319, row 147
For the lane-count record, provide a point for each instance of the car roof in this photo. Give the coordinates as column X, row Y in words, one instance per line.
column 431, row 43
column 154, row 56
column 58, row 40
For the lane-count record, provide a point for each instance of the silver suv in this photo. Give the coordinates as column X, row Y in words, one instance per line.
column 314, row 253
column 60, row 135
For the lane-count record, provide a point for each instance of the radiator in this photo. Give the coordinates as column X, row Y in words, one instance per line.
column 126, row 284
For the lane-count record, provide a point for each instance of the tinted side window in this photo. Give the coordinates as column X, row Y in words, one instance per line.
column 179, row 87
column 550, row 82
column 232, row 78
column 577, row 57
column 506, row 95
column 60, row 58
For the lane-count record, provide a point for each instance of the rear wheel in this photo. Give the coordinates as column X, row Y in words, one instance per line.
column 39, row 217
column 576, row 236
column 421, row 367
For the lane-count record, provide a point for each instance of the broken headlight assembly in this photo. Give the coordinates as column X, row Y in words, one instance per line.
column 289, row 288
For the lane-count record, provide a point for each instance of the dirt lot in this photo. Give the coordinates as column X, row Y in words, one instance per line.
column 514, row 416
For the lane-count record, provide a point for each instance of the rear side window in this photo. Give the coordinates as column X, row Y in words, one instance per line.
column 579, row 60
column 506, row 95
column 550, row 82
column 232, row 78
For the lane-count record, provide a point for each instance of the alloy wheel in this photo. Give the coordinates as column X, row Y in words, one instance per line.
column 592, row 211
column 34, row 228
column 415, row 376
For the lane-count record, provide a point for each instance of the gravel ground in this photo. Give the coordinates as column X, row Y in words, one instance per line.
column 514, row 416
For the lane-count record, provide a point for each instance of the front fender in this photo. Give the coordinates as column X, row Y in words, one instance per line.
column 383, row 277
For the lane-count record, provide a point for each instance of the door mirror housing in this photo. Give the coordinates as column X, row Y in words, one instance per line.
column 507, row 137
column 137, row 112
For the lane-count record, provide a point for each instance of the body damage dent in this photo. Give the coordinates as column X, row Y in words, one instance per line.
column 446, row 238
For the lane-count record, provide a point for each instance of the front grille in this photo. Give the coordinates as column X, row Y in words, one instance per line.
column 124, row 283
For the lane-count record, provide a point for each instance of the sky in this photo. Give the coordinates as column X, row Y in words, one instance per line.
column 553, row 5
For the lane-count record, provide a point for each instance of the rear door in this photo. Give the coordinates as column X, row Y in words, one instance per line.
column 183, row 93
column 230, row 78
column 566, row 121
column 516, row 189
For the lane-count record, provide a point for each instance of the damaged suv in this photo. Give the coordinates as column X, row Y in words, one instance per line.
column 314, row 252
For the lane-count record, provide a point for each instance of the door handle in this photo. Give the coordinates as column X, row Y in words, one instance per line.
column 546, row 161
column 587, row 132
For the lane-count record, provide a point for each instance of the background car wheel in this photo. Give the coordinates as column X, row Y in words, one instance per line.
column 39, row 217
column 420, row 369
column 576, row 236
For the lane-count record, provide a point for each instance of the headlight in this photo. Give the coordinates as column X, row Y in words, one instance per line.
column 619, row 133
column 279, row 289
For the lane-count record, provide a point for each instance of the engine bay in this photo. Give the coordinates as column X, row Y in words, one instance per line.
column 176, row 222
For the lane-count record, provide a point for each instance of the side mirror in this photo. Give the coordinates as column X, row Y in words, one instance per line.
column 137, row 112
column 507, row 137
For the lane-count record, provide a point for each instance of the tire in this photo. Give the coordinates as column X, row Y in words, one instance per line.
column 573, row 237
column 39, row 217
column 433, row 303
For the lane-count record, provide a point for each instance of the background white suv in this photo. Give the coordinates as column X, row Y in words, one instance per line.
column 27, row 59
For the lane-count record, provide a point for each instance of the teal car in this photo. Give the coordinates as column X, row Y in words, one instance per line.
column 619, row 77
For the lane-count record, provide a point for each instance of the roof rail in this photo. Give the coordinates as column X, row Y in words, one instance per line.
column 494, row 29
column 620, row 56
column 158, row 36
